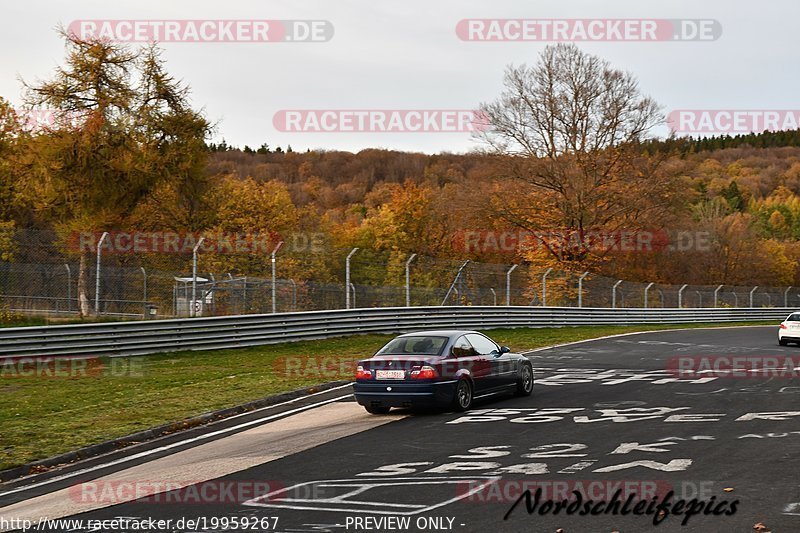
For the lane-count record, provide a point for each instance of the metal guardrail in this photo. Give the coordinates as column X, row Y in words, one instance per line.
column 155, row 336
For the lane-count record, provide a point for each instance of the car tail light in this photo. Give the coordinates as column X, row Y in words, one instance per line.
column 363, row 374
column 783, row 326
column 425, row 372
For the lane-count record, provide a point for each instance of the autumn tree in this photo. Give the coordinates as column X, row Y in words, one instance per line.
column 123, row 127
column 568, row 131
column 10, row 133
column 401, row 220
column 245, row 205
column 251, row 210
column 12, row 140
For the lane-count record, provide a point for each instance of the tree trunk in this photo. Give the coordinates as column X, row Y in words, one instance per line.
column 84, row 307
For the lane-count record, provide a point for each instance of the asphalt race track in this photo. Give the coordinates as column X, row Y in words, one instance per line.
column 605, row 416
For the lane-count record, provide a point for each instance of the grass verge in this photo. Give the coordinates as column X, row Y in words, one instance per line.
column 66, row 407
column 14, row 320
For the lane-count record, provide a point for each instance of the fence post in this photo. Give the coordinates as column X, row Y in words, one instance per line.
column 97, row 275
column 354, row 294
column 700, row 297
column 193, row 311
column 294, row 294
column 274, row 292
column 213, row 288
column 453, row 285
column 494, row 295
column 69, row 288
column 544, row 287
column 580, row 289
column 614, row 294
column 680, row 295
column 508, row 284
column 347, row 278
column 408, row 279
column 786, row 296
column 716, row 291
column 645, row 293
column 735, row 299
column 144, row 292
column 751, row 296
column 244, row 295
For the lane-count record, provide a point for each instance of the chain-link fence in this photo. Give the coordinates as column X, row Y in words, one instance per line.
column 48, row 278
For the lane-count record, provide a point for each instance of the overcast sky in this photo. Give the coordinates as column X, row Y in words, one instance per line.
column 388, row 54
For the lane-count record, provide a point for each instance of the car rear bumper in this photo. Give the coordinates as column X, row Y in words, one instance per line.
column 794, row 336
column 389, row 394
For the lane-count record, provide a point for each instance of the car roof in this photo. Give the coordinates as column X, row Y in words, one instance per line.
column 440, row 333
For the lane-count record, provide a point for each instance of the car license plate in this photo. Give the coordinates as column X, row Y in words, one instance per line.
column 390, row 374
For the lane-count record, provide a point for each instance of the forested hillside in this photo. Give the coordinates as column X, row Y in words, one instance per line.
column 746, row 198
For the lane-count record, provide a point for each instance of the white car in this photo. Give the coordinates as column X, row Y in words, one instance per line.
column 789, row 330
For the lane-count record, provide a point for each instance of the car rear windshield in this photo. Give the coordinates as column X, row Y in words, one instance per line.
column 414, row 346
column 794, row 318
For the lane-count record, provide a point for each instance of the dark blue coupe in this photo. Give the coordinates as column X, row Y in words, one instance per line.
column 448, row 368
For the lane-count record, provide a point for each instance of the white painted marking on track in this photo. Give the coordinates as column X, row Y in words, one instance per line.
column 675, row 465
column 792, row 509
column 701, row 393
column 616, row 335
column 341, row 502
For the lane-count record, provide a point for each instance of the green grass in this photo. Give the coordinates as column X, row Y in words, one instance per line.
column 42, row 416
column 13, row 320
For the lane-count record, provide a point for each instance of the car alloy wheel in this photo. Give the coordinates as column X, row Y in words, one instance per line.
column 463, row 399
column 525, row 382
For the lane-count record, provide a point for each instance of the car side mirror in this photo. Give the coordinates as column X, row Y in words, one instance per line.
column 505, row 349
